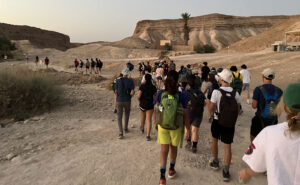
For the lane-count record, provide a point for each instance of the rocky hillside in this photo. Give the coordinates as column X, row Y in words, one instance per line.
column 38, row 37
column 214, row 29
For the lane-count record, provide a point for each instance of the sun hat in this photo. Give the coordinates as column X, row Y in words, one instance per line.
column 225, row 75
column 220, row 69
column 291, row 96
column 269, row 74
column 244, row 66
column 233, row 68
column 125, row 71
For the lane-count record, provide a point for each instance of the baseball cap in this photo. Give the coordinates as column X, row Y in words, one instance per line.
column 125, row 71
column 269, row 74
column 225, row 75
column 291, row 96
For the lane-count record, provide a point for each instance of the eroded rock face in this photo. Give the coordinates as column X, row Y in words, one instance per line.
column 214, row 29
column 38, row 37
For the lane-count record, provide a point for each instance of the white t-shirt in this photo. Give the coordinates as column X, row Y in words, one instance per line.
column 276, row 151
column 153, row 79
column 216, row 98
column 246, row 76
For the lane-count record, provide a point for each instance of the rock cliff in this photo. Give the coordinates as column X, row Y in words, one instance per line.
column 38, row 37
column 214, row 29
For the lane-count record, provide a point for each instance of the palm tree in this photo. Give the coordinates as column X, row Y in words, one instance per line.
column 185, row 17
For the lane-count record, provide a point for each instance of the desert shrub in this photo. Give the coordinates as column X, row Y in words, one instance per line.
column 5, row 44
column 24, row 93
column 198, row 48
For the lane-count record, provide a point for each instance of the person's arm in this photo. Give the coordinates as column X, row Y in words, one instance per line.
column 187, row 123
column 246, row 174
column 139, row 94
column 211, row 108
column 254, row 104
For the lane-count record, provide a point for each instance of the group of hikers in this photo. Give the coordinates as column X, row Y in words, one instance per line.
column 90, row 66
column 40, row 61
column 176, row 103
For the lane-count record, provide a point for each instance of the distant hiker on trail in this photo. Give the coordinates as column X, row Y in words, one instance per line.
column 159, row 76
column 47, row 61
column 211, row 85
column 113, row 86
column 146, row 95
column 124, row 91
column 148, row 71
column 265, row 100
column 37, row 60
column 204, row 71
column 76, row 63
column 275, row 150
column 172, row 66
column 97, row 66
column 141, row 68
column 149, row 67
column 171, row 106
column 237, row 82
column 100, row 65
column 93, row 64
column 196, row 103
column 198, row 81
column 130, row 66
column 87, row 66
column 246, row 81
column 81, row 65
column 225, row 106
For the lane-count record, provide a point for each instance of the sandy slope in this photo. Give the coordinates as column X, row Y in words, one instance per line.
column 77, row 143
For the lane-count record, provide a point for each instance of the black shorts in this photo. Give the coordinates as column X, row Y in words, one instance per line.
column 144, row 109
column 196, row 122
column 225, row 134
column 258, row 124
column 159, row 78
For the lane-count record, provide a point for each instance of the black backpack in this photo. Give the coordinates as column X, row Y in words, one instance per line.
column 196, row 103
column 228, row 109
column 130, row 66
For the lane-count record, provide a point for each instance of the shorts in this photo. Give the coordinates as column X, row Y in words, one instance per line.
column 196, row 122
column 246, row 86
column 258, row 124
column 172, row 137
column 159, row 78
column 146, row 108
column 87, row 67
column 225, row 134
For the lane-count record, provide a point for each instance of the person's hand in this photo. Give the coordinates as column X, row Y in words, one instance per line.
column 244, row 177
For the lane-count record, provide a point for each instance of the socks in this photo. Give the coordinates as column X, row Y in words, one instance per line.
column 195, row 144
column 172, row 165
column 226, row 169
column 163, row 172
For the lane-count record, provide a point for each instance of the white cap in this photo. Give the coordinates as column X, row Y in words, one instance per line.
column 125, row 71
column 225, row 75
column 269, row 73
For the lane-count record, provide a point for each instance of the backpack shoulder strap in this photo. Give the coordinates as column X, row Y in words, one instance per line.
column 233, row 75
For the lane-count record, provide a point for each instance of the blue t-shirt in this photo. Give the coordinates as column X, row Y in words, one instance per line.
column 259, row 97
column 124, row 87
column 188, row 95
column 183, row 98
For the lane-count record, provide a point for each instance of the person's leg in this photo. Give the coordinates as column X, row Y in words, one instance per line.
column 143, row 118
column 214, row 148
column 173, row 156
column 227, row 155
column 194, row 138
column 164, row 151
column 120, row 106
column 127, row 114
column 149, row 121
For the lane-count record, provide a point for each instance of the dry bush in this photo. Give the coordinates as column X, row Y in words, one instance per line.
column 24, row 93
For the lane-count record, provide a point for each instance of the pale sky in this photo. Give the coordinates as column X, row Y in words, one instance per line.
column 112, row 20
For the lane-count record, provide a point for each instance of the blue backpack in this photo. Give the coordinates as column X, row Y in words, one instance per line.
column 271, row 101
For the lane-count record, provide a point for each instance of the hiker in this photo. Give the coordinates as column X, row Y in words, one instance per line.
column 265, row 99
column 165, row 67
column 275, row 150
column 205, row 70
column 47, row 61
column 81, row 65
column 149, row 67
column 97, row 66
column 124, row 91
column 130, row 66
column 113, row 87
column 76, row 63
column 225, row 106
column 87, row 66
column 159, row 75
column 171, row 106
column 148, row 71
column 172, row 66
column 196, row 105
column 93, row 64
column 141, row 66
column 211, row 85
column 146, row 95
column 198, row 81
column 100, row 65
column 246, row 81
column 36, row 60
column 188, row 70
column 237, row 82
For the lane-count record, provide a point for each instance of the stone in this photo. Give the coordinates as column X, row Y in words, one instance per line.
column 10, row 156
column 132, row 126
column 16, row 159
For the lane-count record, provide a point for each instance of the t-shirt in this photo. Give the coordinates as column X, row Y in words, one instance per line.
column 276, row 151
column 124, row 87
column 236, row 74
column 159, row 72
column 216, row 98
column 246, row 76
column 153, row 79
column 188, row 95
column 183, row 98
column 259, row 97
column 205, row 70
column 148, row 92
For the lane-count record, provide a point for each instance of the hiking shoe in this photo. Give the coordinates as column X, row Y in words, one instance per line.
column 172, row 174
column 162, row 182
column 226, row 176
column 126, row 130
column 120, row 136
column 194, row 149
column 115, row 111
column 148, row 138
column 188, row 145
column 214, row 165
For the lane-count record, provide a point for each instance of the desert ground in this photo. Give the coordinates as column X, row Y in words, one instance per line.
column 76, row 144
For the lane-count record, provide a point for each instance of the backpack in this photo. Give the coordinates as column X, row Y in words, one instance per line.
column 228, row 113
column 214, row 87
column 196, row 103
column 271, row 101
column 237, row 83
column 198, row 83
column 130, row 66
column 172, row 67
column 170, row 112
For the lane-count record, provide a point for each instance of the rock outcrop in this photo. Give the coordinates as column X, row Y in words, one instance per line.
column 214, row 29
column 38, row 37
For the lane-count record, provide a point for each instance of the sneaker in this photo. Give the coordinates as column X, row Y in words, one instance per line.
column 120, row 136
column 172, row 174
column 115, row 111
column 214, row 165
column 194, row 149
column 162, row 182
column 226, row 176
column 148, row 138
column 188, row 145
